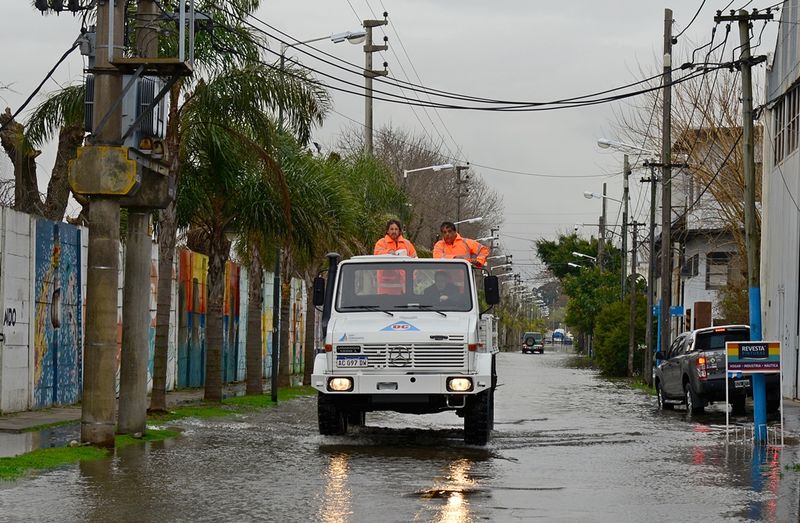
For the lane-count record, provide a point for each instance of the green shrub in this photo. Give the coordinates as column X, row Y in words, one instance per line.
column 611, row 337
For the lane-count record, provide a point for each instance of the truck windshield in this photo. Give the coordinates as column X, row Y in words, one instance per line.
column 404, row 286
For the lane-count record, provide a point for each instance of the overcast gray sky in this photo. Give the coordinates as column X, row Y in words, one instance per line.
column 509, row 49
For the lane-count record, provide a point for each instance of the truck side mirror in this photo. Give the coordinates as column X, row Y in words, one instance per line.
column 491, row 289
column 319, row 291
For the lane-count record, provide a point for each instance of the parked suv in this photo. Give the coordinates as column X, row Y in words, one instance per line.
column 533, row 342
column 692, row 372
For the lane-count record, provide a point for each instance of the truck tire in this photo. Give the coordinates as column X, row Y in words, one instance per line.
column 356, row 418
column 662, row 405
column 477, row 413
column 332, row 421
column 694, row 403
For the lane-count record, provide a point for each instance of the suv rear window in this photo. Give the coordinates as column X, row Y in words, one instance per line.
column 711, row 340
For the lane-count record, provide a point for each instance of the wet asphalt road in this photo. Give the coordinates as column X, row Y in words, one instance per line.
column 568, row 446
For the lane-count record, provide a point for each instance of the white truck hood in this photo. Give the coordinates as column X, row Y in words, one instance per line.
column 378, row 327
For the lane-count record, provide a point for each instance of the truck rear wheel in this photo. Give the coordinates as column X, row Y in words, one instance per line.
column 477, row 424
column 332, row 420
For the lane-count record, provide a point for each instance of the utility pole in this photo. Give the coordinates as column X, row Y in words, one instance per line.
column 459, row 181
column 666, row 184
column 651, row 275
column 138, row 255
column 626, row 171
column 632, row 296
column 98, row 405
column 369, row 74
column 601, row 245
column 752, row 234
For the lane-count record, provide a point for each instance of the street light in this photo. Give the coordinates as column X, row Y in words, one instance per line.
column 499, row 256
column 469, row 220
column 434, row 168
column 575, row 265
column 605, row 143
column 581, row 255
column 354, row 37
column 505, row 265
column 505, row 274
column 489, row 238
column 589, row 195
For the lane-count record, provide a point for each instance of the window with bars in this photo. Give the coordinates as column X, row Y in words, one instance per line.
column 717, row 269
column 786, row 125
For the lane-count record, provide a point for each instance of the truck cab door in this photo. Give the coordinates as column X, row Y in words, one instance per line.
column 671, row 369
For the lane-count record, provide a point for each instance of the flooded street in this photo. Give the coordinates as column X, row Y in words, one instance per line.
column 568, row 446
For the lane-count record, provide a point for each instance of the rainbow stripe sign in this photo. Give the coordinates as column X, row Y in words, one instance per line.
column 753, row 357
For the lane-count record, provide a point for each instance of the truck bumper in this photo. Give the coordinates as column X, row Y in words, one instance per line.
column 392, row 384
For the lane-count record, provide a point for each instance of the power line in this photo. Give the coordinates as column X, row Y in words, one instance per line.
column 41, row 84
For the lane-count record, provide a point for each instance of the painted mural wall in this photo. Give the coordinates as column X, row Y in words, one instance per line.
column 43, row 272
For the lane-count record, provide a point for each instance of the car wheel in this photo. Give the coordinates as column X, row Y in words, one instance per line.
column 662, row 405
column 737, row 405
column 694, row 404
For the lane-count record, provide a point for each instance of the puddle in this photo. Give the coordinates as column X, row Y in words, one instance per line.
column 20, row 443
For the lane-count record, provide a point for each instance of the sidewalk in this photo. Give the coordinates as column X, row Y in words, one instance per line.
column 17, row 422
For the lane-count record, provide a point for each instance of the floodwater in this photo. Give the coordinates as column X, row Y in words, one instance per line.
column 568, row 446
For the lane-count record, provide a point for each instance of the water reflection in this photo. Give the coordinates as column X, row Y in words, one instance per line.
column 459, row 483
column 336, row 507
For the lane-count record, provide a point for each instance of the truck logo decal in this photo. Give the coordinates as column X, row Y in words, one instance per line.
column 344, row 337
column 400, row 326
column 399, row 356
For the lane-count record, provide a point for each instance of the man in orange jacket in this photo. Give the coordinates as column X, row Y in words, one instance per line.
column 452, row 245
column 394, row 243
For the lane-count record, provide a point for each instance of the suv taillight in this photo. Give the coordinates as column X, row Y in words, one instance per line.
column 700, row 364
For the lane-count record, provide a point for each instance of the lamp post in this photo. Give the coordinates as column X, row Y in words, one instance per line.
column 624, row 203
column 469, row 220
column 434, row 168
column 354, row 37
column 581, row 255
column 505, row 265
column 651, row 265
column 575, row 265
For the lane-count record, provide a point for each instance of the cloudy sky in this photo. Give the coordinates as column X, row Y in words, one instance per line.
column 505, row 49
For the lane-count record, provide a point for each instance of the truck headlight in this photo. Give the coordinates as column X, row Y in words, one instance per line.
column 340, row 384
column 459, row 384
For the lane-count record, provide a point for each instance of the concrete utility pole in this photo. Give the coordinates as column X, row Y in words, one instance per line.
column 752, row 234
column 632, row 296
column 651, row 275
column 98, row 405
column 460, row 181
column 601, row 245
column 135, row 295
column 666, row 184
column 626, row 171
column 369, row 74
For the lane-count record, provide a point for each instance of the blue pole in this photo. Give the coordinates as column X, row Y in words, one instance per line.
column 759, row 380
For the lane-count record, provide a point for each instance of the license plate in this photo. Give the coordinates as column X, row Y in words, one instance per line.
column 740, row 384
column 352, row 361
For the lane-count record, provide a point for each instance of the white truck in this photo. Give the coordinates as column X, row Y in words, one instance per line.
column 402, row 334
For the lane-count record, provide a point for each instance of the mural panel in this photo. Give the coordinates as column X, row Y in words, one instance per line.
column 58, row 343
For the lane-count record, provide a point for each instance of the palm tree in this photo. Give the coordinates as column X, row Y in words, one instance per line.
column 229, row 178
column 228, row 48
column 62, row 113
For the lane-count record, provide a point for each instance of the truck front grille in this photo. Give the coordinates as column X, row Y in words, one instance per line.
column 416, row 356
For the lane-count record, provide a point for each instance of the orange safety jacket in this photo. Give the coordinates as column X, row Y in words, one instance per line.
column 387, row 245
column 393, row 281
column 462, row 248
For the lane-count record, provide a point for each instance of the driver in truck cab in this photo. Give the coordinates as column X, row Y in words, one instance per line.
column 453, row 245
column 394, row 243
column 443, row 291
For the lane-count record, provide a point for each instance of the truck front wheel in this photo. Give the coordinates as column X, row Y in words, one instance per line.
column 332, row 420
column 477, row 423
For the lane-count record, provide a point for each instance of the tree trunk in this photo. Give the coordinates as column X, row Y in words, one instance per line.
column 217, row 256
column 166, row 256
column 285, row 360
column 23, row 157
column 55, row 204
column 255, row 362
column 308, row 347
column 166, row 259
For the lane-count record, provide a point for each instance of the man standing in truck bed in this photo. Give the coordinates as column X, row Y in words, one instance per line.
column 453, row 245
